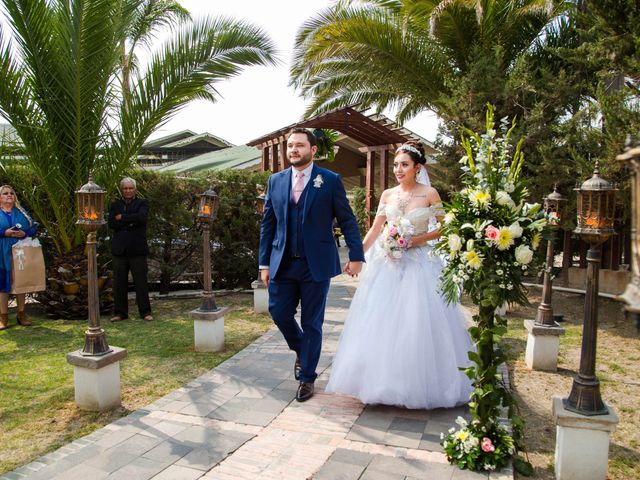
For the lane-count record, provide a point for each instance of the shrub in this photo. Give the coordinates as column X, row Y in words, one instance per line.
column 174, row 235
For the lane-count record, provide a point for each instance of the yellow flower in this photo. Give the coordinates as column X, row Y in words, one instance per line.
column 462, row 435
column 480, row 198
column 535, row 240
column 473, row 259
column 505, row 238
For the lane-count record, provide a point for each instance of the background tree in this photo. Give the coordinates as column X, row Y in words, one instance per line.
column 416, row 55
column 148, row 17
column 61, row 92
column 61, row 65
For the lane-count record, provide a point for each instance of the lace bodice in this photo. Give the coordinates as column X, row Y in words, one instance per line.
column 421, row 218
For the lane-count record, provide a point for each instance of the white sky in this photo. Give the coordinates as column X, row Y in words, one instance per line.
column 259, row 101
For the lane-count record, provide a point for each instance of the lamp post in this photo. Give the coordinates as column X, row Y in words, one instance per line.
column 207, row 211
column 596, row 209
column 260, row 200
column 260, row 292
column 90, row 216
column 631, row 295
column 554, row 207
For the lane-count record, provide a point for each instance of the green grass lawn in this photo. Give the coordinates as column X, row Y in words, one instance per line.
column 37, row 409
column 617, row 367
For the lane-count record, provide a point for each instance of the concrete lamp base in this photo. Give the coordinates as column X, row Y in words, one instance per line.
column 582, row 443
column 97, row 379
column 208, row 329
column 260, row 297
column 542, row 346
column 503, row 309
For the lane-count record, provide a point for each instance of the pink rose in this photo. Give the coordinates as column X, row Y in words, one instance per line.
column 491, row 232
column 402, row 242
column 487, row 446
column 393, row 231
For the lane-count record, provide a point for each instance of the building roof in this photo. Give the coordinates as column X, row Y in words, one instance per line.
column 370, row 130
column 239, row 157
column 185, row 138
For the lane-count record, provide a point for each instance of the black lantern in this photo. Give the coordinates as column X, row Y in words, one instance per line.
column 90, row 215
column 554, row 208
column 260, row 198
column 90, row 206
column 209, row 202
column 596, row 209
column 207, row 211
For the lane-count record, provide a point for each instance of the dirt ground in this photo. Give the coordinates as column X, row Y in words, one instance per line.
column 617, row 367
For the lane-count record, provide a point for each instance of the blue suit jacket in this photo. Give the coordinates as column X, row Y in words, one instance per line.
column 325, row 200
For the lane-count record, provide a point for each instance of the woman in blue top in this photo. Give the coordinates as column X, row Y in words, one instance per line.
column 15, row 224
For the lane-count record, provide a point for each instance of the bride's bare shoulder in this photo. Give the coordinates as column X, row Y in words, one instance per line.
column 387, row 194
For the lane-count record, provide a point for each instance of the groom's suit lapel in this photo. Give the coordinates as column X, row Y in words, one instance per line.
column 311, row 193
column 285, row 192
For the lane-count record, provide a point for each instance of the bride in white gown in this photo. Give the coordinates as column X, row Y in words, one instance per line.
column 402, row 344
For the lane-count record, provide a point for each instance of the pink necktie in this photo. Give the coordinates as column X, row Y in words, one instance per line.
column 298, row 187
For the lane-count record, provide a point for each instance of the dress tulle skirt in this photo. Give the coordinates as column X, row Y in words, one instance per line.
column 402, row 344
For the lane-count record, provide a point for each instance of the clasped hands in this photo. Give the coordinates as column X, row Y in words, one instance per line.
column 353, row 268
column 14, row 232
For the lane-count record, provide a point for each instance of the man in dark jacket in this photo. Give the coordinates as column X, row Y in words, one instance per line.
column 129, row 249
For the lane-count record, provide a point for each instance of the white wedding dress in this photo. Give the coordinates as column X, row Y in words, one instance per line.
column 402, row 344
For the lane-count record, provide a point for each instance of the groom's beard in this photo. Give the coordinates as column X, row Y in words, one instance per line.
column 301, row 161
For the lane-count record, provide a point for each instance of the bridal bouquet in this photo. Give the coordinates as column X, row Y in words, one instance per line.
column 396, row 237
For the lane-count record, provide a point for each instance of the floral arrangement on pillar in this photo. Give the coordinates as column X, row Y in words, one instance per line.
column 490, row 239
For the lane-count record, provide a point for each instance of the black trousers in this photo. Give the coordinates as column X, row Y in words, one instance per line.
column 138, row 267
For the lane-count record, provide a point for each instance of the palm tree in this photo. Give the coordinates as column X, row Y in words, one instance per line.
column 149, row 16
column 415, row 55
column 62, row 90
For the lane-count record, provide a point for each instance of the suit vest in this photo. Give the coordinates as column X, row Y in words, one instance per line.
column 295, row 241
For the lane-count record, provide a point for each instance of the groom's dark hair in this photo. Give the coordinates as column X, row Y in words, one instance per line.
column 310, row 136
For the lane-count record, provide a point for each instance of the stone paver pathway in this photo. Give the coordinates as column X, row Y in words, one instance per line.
column 239, row 421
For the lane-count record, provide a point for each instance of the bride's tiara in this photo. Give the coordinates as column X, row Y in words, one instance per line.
column 409, row 148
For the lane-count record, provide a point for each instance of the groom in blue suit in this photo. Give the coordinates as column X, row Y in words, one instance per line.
column 298, row 255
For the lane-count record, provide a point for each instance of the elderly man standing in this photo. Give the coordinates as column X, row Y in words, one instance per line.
column 128, row 220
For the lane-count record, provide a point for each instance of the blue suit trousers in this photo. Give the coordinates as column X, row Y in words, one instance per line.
column 293, row 285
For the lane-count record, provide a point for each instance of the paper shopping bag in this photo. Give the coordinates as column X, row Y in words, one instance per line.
column 27, row 269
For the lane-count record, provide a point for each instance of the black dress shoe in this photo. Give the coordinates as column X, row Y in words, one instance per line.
column 305, row 391
column 297, row 368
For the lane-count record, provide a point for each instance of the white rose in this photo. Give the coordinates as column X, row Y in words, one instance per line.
column 455, row 242
column 503, row 198
column 524, row 254
column 449, row 217
column 396, row 254
column 515, row 229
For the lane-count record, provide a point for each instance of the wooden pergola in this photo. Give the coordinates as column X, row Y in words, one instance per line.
column 378, row 134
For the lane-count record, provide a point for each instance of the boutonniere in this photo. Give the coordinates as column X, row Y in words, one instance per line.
column 318, row 181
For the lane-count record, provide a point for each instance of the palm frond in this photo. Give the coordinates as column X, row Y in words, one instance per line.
column 357, row 55
column 186, row 68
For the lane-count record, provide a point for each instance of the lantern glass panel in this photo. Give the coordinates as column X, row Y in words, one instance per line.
column 205, row 207
column 215, row 202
